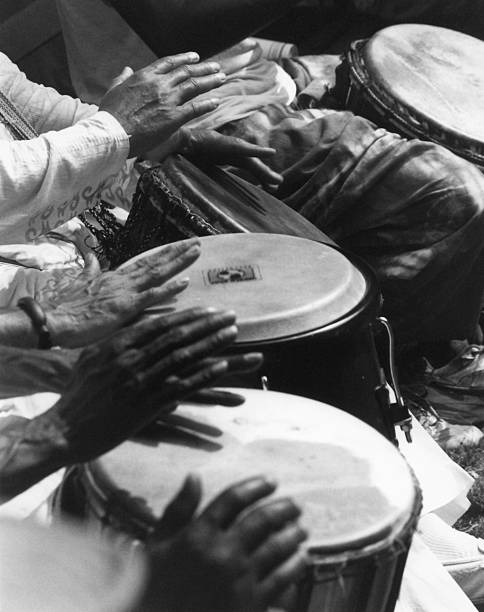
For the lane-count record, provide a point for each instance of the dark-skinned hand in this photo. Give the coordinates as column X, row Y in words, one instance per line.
column 95, row 304
column 122, row 383
column 232, row 557
column 154, row 102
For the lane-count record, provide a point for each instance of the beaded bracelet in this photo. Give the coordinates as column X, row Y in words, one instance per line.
column 39, row 321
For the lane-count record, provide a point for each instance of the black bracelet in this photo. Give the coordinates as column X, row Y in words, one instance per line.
column 39, row 321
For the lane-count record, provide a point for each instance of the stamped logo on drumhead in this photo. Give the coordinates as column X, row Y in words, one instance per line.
column 232, row 274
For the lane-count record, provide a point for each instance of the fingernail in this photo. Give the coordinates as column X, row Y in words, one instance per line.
column 214, row 66
column 222, row 76
column 249, row 43
column 182, row 282
column 253, row 358
column 193, row 56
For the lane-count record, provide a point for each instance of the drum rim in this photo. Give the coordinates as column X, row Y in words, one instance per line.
column 405, row 118
column 369, row 305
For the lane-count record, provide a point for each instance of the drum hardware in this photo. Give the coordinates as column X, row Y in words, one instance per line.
column 264, row 383
column 400, row 414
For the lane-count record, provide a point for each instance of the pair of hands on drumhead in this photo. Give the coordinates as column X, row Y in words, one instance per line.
column 233, row 556
column 133, row 368
column 154, row 104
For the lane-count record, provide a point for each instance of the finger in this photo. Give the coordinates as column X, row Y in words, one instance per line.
column 261, row 522
column 192, row 110
column 152, row 271
column 125, row 74
column 193, row 87
column 261, row 171
column 217, row 397
column 172, row 62
column 239, row 363
column 187, row 72
column 176, row 388
column 156, row 296
column 182, row 336
column 160, row 256
column 225, row 508
column 287, row 574
column 177, row 360
column 142, row 332
column 180, row 511
column 277, row 549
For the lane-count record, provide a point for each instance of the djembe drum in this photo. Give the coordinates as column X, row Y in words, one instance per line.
column 358, row 497
column 423, row 82
column 309, row 308
column 178, row 200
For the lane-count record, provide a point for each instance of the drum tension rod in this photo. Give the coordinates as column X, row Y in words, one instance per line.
column 401, row 414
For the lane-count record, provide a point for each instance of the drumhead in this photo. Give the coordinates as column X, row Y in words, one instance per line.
column 279, row 286
column 435, row 71
column 64, row 569
column 354, row 487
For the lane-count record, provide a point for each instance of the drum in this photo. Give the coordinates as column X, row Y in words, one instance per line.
column 307, row 306
column 177, row 200
column 423, row 82
column 65, row 569
column 358, row 497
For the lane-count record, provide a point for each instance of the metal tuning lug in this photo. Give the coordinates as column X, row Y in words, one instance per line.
column 264, row 383
column 400, row 414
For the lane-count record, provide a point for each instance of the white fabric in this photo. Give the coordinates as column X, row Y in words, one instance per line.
column 427, row 586
column 442, row 481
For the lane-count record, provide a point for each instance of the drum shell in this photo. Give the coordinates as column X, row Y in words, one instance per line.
column 367, row 99
column 337, row 364
column 365, row 580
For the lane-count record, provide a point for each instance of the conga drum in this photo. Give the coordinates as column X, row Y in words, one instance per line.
column 66, row 569
column 307, row 306
column 178, row 200
column 423, row 82
column 358, row 497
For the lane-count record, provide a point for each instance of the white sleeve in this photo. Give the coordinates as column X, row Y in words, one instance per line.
column 43, row 107
column 52, row 178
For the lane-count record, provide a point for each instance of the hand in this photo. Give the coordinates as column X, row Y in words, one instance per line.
column 94, row 305
column 153, row 103
column 215, row 148
column 121, row 384
column 231, row 557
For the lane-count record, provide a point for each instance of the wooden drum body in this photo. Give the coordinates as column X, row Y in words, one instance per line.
column 307, row 307
column 358, row 497
column 423, row 82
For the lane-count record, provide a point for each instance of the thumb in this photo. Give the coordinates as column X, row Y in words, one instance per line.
column 125, row 74
column 92, row 267
column 180, row 511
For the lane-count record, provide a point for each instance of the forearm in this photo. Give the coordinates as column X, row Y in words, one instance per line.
column 29, row 451
column 174, row 26
column 47, row 180
column 24, row 372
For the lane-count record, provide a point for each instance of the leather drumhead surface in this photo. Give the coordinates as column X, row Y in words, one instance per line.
column 64, row 569
column 435, row 71
column 277, row 285
column 354, row 487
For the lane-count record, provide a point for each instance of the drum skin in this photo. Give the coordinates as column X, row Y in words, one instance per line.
column 307, row 307
column 358, row 497
column 424, row 82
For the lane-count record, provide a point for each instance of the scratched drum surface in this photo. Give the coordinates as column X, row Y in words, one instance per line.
column 353, row 485
column 278, row 285
column 435, row 71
